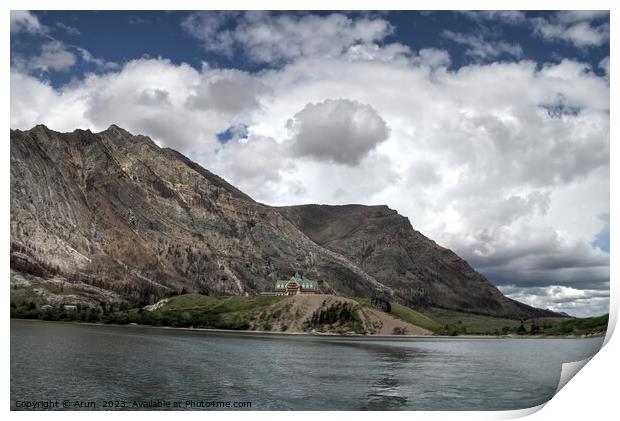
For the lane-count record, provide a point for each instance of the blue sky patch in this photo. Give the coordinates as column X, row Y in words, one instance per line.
column 239, row 131
column 601, row 241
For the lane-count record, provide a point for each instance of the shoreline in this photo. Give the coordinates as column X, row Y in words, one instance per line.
column 320, row 335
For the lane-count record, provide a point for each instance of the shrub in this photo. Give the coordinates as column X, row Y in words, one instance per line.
column 399, row 331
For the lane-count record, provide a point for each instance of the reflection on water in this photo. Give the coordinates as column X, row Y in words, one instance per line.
column 86, row 362
column 385, row 393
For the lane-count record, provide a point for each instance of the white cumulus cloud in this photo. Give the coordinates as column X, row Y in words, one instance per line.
column 481, row 48
column 341, row 131
column 25, row 21
column 576, row 27
column 270, row 38
column 53, row 56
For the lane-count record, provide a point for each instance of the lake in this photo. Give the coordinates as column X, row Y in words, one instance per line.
column 119, row 367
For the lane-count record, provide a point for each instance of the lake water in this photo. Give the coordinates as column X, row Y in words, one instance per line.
column 131, row 365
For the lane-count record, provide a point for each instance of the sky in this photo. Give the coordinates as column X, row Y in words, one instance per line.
column 488, row 130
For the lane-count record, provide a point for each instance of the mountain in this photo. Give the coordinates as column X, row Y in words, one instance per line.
column 383, row 244
column 111, row 217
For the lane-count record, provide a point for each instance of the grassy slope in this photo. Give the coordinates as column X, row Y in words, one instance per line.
column 235, row 304
column 218, row 312
column 452, row 322
column 406, row 314
column 234, row 312
column 415, row 318
column 466, row 323
column 586, row 326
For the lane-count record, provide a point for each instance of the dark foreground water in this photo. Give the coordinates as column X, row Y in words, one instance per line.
column 126, row 367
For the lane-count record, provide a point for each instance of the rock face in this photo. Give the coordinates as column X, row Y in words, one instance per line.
column 117, row 212
column 419, row 272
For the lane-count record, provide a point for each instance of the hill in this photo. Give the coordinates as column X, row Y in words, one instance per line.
column 308, row 313
column 292, row 314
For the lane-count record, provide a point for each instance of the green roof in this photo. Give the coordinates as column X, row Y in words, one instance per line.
column 304, row 282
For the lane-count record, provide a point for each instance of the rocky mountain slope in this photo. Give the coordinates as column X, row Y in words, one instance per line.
column 113, row 212
column 383, row 243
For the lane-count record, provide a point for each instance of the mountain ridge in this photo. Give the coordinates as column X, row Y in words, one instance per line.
column 115, row 211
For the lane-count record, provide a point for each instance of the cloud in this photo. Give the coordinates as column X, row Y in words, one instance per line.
column 512, row 17
column 543, row 257
column 208, row 27
column 579, row 302
column 604, row 64
column 480, row 48
column 71, row 30
column 236, row 132
column 25, row 21
column 35, row 101
column 149, row 96
column 506, row 210
column 340, row 131
column 572, row 16
column 240, row 158
column 601, row 241
column 274, row 38
column 423, row 174
column 99, row 63
column 582, row 28
column 230, row 91
column 433, row 57
column 372, row 52
column 154, row 97
column 577, row 27
column 54, row 56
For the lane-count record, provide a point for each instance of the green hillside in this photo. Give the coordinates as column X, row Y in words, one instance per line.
column 586, row 326
column 219, row 312
column 261, row 313
column 411, row 316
